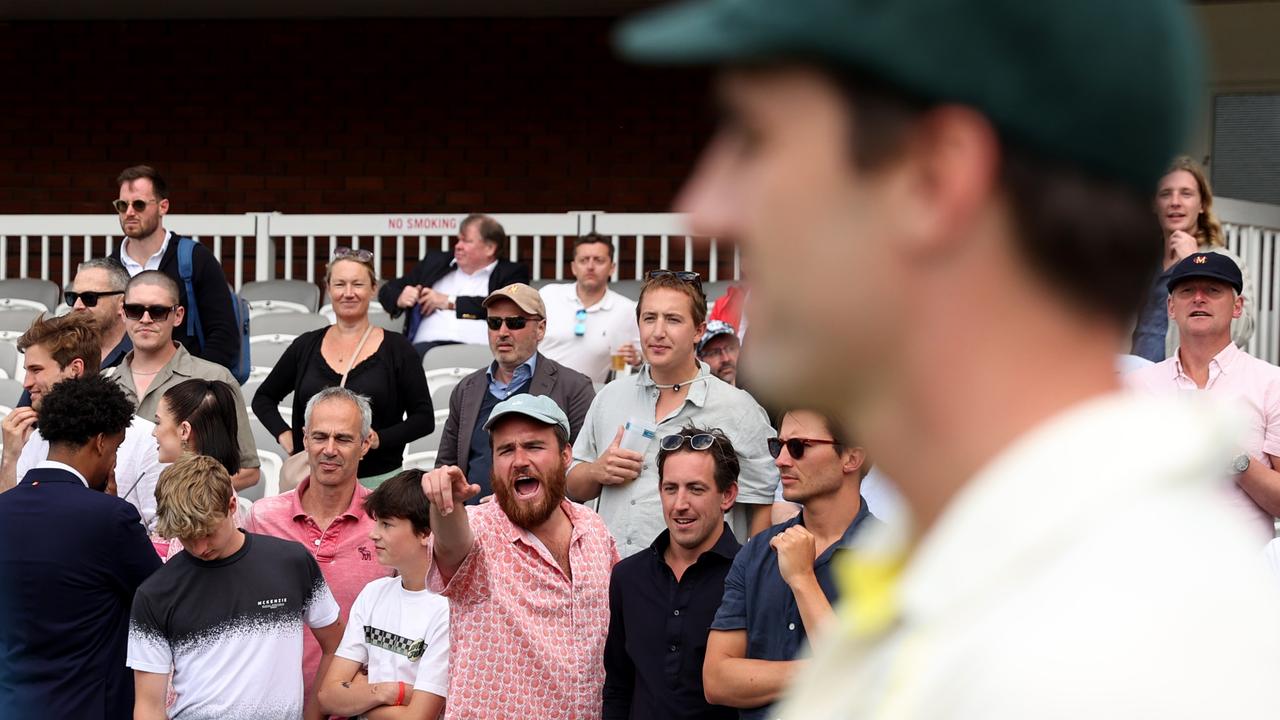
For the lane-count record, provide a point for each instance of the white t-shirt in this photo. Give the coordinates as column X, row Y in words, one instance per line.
column 445, row 324
column 400, row 636
column 609, row 324
column 137, row 466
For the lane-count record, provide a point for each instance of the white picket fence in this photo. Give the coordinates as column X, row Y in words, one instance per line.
column 49, row 246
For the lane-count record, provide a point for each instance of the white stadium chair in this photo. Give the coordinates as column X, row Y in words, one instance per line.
column 40, row 294
column 282, row 294
column 458, row 356
column 290, row 323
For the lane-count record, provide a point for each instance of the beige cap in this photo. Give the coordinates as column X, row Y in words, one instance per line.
column 522, row 295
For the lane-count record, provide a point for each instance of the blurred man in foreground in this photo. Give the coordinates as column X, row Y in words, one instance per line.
column 973, row 241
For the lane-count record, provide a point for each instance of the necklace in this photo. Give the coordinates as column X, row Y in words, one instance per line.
column 153, row 372
column 677, row 386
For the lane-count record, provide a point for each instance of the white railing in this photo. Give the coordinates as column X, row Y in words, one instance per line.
column 261, row 246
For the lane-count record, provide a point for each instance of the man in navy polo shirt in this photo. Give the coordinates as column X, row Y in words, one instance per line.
column 781, row 582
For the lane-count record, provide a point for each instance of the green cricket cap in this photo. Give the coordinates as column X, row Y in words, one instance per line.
column 1112, row 87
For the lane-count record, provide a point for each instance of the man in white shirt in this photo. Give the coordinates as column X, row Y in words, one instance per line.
column 441, row 297
column 58, row 349
column 948, row 263
column 587, row 323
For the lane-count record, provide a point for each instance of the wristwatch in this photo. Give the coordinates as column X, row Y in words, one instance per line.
column 453, row 302
column 1240, row 463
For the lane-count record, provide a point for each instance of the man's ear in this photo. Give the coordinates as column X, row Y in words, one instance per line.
column 1237, row 308
column 76, row 367
column 1169, row 305
column 854, row 459
column 163, row 205
column 179, row 313
column 729, row 498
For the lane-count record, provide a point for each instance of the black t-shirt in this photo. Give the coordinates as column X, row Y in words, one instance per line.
column 231, row 629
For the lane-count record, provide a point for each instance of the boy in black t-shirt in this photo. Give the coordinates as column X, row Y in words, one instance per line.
column 225, row 615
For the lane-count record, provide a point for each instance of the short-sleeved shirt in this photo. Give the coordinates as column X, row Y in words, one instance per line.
column 1253, row 388
column 137, row 466
column 758, row 600
column 526, row 641
column 633, row 511
column 181, row 367
column 607, row 325
column 343, row 550
column 400, row 636
column 231, row 629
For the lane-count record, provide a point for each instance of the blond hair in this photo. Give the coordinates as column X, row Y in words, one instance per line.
column 192, row 497
column 1208, row 228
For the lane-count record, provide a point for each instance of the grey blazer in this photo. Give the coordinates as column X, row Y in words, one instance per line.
column 571, row 390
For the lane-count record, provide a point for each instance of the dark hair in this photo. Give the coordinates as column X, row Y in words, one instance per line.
column 144, row 172
column 76, row 410
column 1094, row 241
column 158, row 279
column 490, row 230
column 835, row 428
column 697, row 298
column 210, row 408
column 401, row 497
column 73, row 336
column 592, row 239
column 721, row 450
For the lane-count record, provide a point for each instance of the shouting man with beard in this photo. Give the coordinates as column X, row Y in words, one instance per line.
column 527, row 577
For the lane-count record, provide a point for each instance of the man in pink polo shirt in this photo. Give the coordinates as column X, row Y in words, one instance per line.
column 527, row 576
column 1204, row 296
column 326, row 511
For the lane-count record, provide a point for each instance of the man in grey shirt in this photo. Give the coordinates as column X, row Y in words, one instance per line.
column 673, row 390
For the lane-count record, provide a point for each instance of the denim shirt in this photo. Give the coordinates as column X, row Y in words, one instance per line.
column 521, row 376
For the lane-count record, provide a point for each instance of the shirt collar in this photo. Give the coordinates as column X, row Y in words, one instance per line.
column 864, row 513
column 518, row 377
column 117, row 353
column 726, row 547
column 515, row 533
column 355, row 509
column 486, row 270
column 605, row 304
column 1223, row 359
column 127, row 260
column 698, row 391
column 55, row 465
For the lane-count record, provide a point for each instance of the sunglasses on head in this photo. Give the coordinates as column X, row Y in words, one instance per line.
column 357, row 254
column 158, row 313
column 701, row 441
column 580, row 323
column 139, row 205
column 686, row 276
column 795, row 446
column 89, row 297
column 515, row 322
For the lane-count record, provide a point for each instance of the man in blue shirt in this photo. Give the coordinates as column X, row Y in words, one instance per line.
column 662, row 600
column 781, row 583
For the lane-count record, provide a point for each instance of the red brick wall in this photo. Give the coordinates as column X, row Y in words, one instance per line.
column 342, row 116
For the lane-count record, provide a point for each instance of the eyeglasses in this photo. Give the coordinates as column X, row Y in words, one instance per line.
column 89, row 297
column 580, row 323
column 795, row 446
column 701, row 441
column 515, row 322
column 158, row 313
column 138, row 205
column 692, row 278
column 357, row 254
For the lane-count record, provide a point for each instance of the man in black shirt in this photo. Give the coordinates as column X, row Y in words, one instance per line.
column 662, row 600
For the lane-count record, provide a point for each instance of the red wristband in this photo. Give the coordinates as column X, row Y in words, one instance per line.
column 400, row 694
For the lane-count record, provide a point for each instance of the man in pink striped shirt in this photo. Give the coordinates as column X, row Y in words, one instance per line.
column 1204, row 296
column 326, row 511
column 527, row 576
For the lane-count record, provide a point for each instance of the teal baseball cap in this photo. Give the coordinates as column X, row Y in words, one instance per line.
column 539, row 407
column 1111, row 87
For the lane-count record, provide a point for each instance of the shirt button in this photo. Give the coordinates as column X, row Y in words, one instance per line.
column 673, row 647
column 677, row 612
column 633, row 502
column 316, row 542
column 791, row 626
column 628, row 541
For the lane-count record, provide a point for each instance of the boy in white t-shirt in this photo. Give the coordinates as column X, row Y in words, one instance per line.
column 394, row 658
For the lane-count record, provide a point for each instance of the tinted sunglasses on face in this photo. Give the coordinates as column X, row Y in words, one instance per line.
column 158, row 313
column 139, row 205
column 795, row 446
column 88, row 297
column 515, row 322
column 701, row 441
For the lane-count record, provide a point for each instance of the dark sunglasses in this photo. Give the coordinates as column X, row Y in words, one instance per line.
column 358, row 254
column 138, row 205
column 692, row 278
column 88, row 297
column 515, row 322
column 795, row 446
column 580, row 323
column 701, row 441
column 158, row 313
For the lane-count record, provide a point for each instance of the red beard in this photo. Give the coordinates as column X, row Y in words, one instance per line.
column 529, row 515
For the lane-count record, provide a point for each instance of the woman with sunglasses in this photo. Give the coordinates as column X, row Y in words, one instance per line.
column 365, row 359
